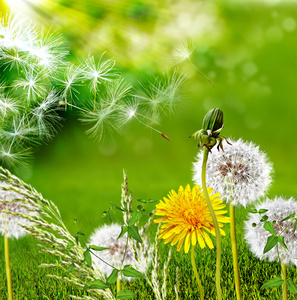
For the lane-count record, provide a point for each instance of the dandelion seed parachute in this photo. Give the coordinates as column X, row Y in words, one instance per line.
column 242, row 173
column 256, row 237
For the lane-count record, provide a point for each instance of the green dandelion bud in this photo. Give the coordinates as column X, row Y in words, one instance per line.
column 213, row 120
column 209, row 135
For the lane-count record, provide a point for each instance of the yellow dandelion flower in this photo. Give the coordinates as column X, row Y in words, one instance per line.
column 186, row 217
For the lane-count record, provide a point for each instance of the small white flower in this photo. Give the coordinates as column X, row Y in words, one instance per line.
column 278, row 209
column 9, row 224
column 106, row 236
column 242, row 173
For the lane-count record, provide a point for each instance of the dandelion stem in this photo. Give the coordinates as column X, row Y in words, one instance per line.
column 8, row 272
column 234, row 252
column 196, row 273
column 284, row 277
column 216, row 225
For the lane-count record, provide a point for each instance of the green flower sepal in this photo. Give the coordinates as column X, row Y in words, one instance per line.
column 209, row 135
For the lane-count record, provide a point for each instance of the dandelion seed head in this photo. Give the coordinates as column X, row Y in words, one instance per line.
column 242, row 173
column 256, row 237
column 9, row 224
column 106, row 236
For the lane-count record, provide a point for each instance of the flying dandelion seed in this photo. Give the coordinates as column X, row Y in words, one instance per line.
column 32, row 84
column 8, row 106
column 45, row 115
column 98, row 72
column 183, row 52
column 71, row 79
column 14, row 155
column 160, row 95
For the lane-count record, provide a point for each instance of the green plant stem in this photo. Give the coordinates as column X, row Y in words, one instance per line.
column 216, row 225
column 7, row 263
column 118, row 285
column 234, row 252
column 196, row 273
column 284, row 277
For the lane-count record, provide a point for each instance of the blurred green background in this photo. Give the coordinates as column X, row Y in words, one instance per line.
column 247, row 48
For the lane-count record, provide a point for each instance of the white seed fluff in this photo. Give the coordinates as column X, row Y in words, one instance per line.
column 256, row 237
column 241, row 173
column 106, row 236
column 9, row 224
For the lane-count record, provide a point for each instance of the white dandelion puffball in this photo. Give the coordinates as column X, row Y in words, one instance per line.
column 278, row 209
column 241, row 173
column 9, row 224
column 106, row 236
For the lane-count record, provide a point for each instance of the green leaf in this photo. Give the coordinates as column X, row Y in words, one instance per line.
column 140, row 208
column 112, row 278
column 282, row 242
column 125, row 294
column 96, row 284
column 124, row 229
column 135, row 217
column 252, row 211
column 70, row 245
column 147, row 201
column 274, row 282
column 128, row 271
column 269, row 227
column 295, row 224
column 133, row 232
column 77, row 236
column 88, row 258
column 115, row 206
column 104, row 214
column 153, row 201
column 288, row 217
column 142, row 200
column 292, row 287
column 70, row 268
column 271, row 242
column 262, row 211
column 97, row 248
column 264, row 218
